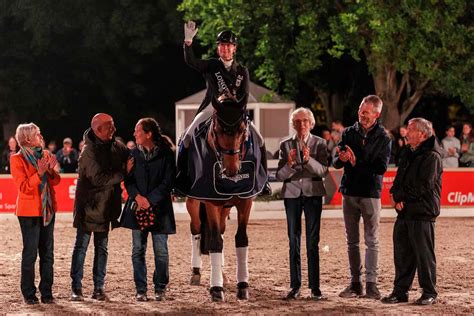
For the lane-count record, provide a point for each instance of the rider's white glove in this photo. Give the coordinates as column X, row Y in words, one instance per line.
column 190, row 31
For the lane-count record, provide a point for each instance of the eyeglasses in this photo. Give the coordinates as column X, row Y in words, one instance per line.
column 299, row 122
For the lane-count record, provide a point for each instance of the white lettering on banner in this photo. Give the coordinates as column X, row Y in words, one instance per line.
column 460, row 198
column 72, row 190
column 9, row 206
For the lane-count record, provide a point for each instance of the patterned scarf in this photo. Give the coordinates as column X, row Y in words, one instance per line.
column 32, row 154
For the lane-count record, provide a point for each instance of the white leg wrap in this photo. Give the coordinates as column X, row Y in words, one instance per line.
column 196, row 251
column 242, row 267
column 222, row 253
column 216, row 269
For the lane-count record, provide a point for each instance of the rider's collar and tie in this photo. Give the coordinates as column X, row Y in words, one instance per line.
column 227, row 64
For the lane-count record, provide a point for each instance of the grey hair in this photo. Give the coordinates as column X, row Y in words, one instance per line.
column 306, row 111
column 24, row 133
column 375, row 101
column 422, row 125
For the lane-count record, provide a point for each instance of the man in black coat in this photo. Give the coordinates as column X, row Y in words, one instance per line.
column 416, row 192
column 364, row 152
column 98, row 200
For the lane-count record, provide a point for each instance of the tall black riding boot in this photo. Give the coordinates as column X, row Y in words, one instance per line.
column 182, row 184
column 267, row 189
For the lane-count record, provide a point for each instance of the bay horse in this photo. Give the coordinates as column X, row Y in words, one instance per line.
column 226, row 161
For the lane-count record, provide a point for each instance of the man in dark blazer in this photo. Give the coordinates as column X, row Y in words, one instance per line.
column 302, row 167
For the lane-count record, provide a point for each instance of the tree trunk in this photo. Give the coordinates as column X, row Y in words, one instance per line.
column 390, row 89
column 333, row 105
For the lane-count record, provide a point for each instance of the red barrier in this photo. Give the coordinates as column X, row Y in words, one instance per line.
column 457, row 189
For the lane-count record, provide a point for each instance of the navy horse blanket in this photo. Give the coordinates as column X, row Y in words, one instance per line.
column 204, row 169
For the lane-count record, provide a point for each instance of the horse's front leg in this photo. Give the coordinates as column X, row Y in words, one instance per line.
column 216, row 244
column 241, row 248
column 192, row 206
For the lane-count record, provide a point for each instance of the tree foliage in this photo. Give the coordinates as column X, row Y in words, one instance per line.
column 64, row 59
column 410, row 46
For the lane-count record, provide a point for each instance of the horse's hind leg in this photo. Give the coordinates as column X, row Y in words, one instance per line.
column 241, row 248
column 192, row 206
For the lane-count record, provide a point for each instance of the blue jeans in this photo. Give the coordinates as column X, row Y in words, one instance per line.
column 312, row 207
column 79, row 255
column 37, row 239
column 160, row 249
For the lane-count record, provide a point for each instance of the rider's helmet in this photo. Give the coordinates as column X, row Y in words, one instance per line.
column 226, row 37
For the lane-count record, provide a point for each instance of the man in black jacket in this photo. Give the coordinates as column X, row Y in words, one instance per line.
column 98, row 200
column 416, row 192
column 364, row 152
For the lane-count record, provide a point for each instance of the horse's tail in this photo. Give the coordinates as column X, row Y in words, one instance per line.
column 205, row 235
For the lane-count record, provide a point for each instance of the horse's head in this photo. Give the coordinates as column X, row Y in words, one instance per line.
column 229, row 126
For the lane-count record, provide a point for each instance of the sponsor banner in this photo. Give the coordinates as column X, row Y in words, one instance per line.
column 457, row 189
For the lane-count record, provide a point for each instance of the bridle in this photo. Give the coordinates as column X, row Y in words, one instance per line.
column 228, row 129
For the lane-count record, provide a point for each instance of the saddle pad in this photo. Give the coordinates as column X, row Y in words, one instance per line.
column 242, row 183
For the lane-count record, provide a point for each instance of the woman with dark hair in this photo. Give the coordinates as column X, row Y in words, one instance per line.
column 32, row 169
column 149, row 208
column 11, row 149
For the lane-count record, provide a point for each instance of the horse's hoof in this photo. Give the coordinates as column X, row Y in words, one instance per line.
column 195, row 277
column 242, row 291
column 217, row 294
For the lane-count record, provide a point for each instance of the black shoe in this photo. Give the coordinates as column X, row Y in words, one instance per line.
column 266, row 190
column 394, row 299
column 316, row 295
column 427, row 300
column 293, row 294
column 47, row 300
column 160, row 295
column 371, row 291
column 141, row 297
column 31, row 300
column 355, row 289
column 99, row 294
column 76, row 295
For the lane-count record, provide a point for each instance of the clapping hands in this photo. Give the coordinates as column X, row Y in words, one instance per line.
column 346, row 155
column 46, row 164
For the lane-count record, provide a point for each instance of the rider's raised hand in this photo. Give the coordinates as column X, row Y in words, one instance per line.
column 190, row 31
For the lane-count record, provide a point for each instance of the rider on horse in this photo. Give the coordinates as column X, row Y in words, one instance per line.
column 225, row 78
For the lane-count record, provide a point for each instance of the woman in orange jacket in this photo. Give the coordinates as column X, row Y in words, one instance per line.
column 32, row 169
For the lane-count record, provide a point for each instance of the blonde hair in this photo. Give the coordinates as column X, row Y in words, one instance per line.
column 24, row 133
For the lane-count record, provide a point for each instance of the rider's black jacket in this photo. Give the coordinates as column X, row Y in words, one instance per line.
column 219, row 80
